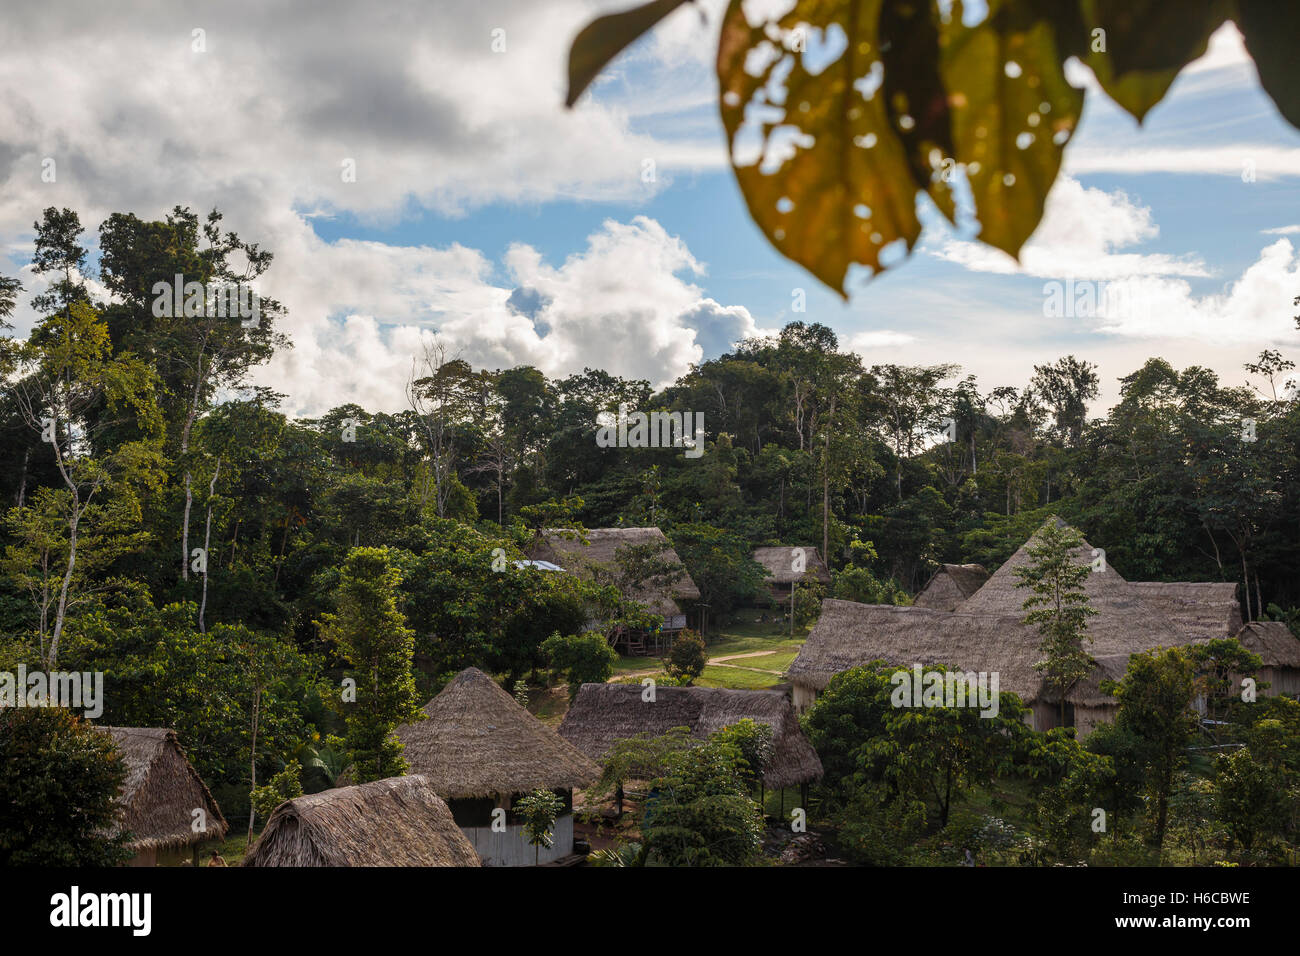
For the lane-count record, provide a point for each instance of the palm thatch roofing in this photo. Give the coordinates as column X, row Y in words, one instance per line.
column 161, row 792
column 559, row 547
column 951, row 585
column 1273, row 641
column 400, row 821
column 985, row 631
column 476, row 741
column 1197, row 610
column 1121, row 610
column 604, row 713
column 849, row 635
column 779, row 564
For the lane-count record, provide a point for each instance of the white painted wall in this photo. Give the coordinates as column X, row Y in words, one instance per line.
column 511, row 848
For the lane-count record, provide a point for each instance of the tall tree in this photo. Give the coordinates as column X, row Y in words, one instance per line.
column 1058, row 606
column 371, row 635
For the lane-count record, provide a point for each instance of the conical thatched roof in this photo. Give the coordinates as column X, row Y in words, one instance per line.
column 476, row 742
column 400, row 821
column 778, row 562
column 604, row 713
column 1197, row 610
column 161, row 791
column 1273, row 641
column 1121, row 611
column 602, row 546
column 950, row 586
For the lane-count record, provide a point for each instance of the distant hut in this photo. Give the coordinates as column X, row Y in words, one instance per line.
column 950, row 586
column 603, row 713
column 1280, row 650
column 159, row 798
column 787, row 567
column 480, row 751
column 665, row 598
column 400, row 821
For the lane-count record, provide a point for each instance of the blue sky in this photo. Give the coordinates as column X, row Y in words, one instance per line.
column 476, row 191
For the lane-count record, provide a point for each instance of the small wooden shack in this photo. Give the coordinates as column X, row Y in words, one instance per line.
column 787, row 567
column 400, row 821
column 480, row 751
column 1280, row 651
column 166, row 807
column 950, row 586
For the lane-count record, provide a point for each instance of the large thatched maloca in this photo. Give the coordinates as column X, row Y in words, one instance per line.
column 396, row 822
column 165, row 806
column 604, row 713
column 984, row 632
column 480, row 751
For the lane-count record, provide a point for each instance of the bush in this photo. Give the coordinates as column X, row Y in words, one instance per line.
column 58, row 790
column 580, row 658
column 687, row 657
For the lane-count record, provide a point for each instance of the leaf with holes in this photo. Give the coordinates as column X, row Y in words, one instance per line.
column 820, row 164
column 1012, row 113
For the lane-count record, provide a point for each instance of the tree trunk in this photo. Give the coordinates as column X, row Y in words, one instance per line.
column 207, row 539
column 252, row 760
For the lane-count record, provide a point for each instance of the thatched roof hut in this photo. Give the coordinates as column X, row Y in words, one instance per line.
column 604, row 713
column 400, row 821
column 600, row 550
column 1122, row 613
column 849, row 635
column 1196, row 610
column 478, row 742
column 779, row 563
column 1273, row 641
column 950, row 586
column 161, row 792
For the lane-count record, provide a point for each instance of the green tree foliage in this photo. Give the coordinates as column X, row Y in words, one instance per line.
column 1058, row 606
column 581, row 658
column 538, row 811
column 1155, row 708
column 687, row 656
column 58, row 791
column 700, row 813
column 370, row 634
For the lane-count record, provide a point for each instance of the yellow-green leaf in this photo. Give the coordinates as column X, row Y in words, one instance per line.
column 1144, row 43
column 1012, row 112
column 821, row 167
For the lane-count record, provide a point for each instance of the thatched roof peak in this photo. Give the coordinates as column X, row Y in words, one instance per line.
column 400, row 821
column 476, row 741
column 161, row 791
column 1273, row 641
column 951, row 585
column 604, row 713
column 1120, row 608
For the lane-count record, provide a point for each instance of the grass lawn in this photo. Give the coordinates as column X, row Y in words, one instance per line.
column 744, row 637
